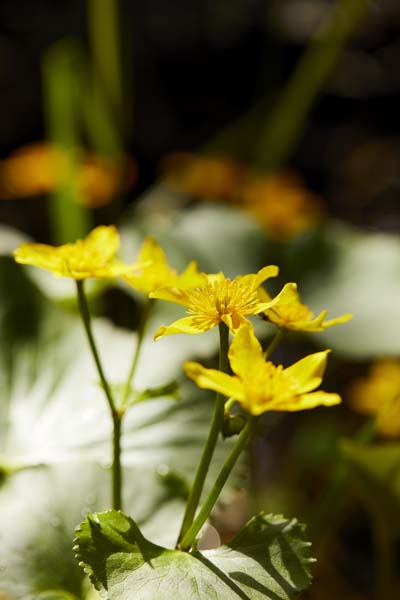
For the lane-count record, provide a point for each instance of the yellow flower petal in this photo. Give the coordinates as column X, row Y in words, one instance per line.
column 171, row 294
column 157, row 274
column 288, row 294
column 103, row 241
column 40, row 255
column 92, row 257
column 255, row 280
column 211, row 379
column 151, row 251
column 308, row 371
column 287, row 309
column 338, row 320
column 186, row 325
column 378, row 393
column 316, row 324
column 288, row 312
column 307, row 401
column 263, row 295
column 260, row 386
column 191, row 277
column 245, row 352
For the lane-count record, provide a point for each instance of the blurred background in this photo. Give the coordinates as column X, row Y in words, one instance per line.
column 239, row 133
column 178, row 76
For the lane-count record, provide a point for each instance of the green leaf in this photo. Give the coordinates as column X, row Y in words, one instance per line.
column 55, row 595
column 55, row 446
column 269, row 558
column 170, row 390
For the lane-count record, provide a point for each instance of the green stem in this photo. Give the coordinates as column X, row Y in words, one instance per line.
column 104, row 34
column 189, row 537
column 217, row 422
column 116, row 417
column 284, row 126
column 140, row 336
column 69, row 218
column 116, row 464
column 276, row 340
column 229, row 404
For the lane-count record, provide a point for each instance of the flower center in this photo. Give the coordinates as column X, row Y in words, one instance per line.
column 222, row 298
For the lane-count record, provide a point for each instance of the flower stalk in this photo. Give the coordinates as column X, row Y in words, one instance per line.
column 274, row 343
column 140, row 336
column 115, row 415
column 190, row 536
column 217, row 422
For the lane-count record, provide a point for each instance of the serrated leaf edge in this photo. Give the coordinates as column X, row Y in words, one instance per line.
column 290, row 525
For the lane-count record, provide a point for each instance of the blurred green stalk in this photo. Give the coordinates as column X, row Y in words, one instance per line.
column 69, row 219
column 104, row 33
column 284, row 125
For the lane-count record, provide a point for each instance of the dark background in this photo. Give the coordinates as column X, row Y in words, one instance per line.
column 194, row 66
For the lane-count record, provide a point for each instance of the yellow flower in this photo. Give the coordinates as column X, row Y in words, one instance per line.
column 217, row 299
column 41, row 168
column 379, row 394
column 281, row 203
column 156, row 272
column 289, row 313
column 260, row 386
column 92, row 257
column 215, row 177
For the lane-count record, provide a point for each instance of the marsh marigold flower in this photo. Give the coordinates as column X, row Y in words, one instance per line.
column 379, row 394
column 218, row 299
column 215, row 177
column 41, row 168
column 260, row 386
column 156, row 272
column 281, row 203
column 95, row 256
column 288, row 312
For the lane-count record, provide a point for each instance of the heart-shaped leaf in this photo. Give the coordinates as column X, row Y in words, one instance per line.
column 269, row 558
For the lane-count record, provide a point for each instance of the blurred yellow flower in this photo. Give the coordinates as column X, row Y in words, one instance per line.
column 289, row 313
column 281, row 203
column 156, row 272
column 217, row 300
column 210, row 177
column 41, row 168
column 379, row 394
column 92, row 257
column 260, row 386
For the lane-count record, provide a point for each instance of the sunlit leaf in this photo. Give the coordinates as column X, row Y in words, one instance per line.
column 269, row 558
column 55, row 448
